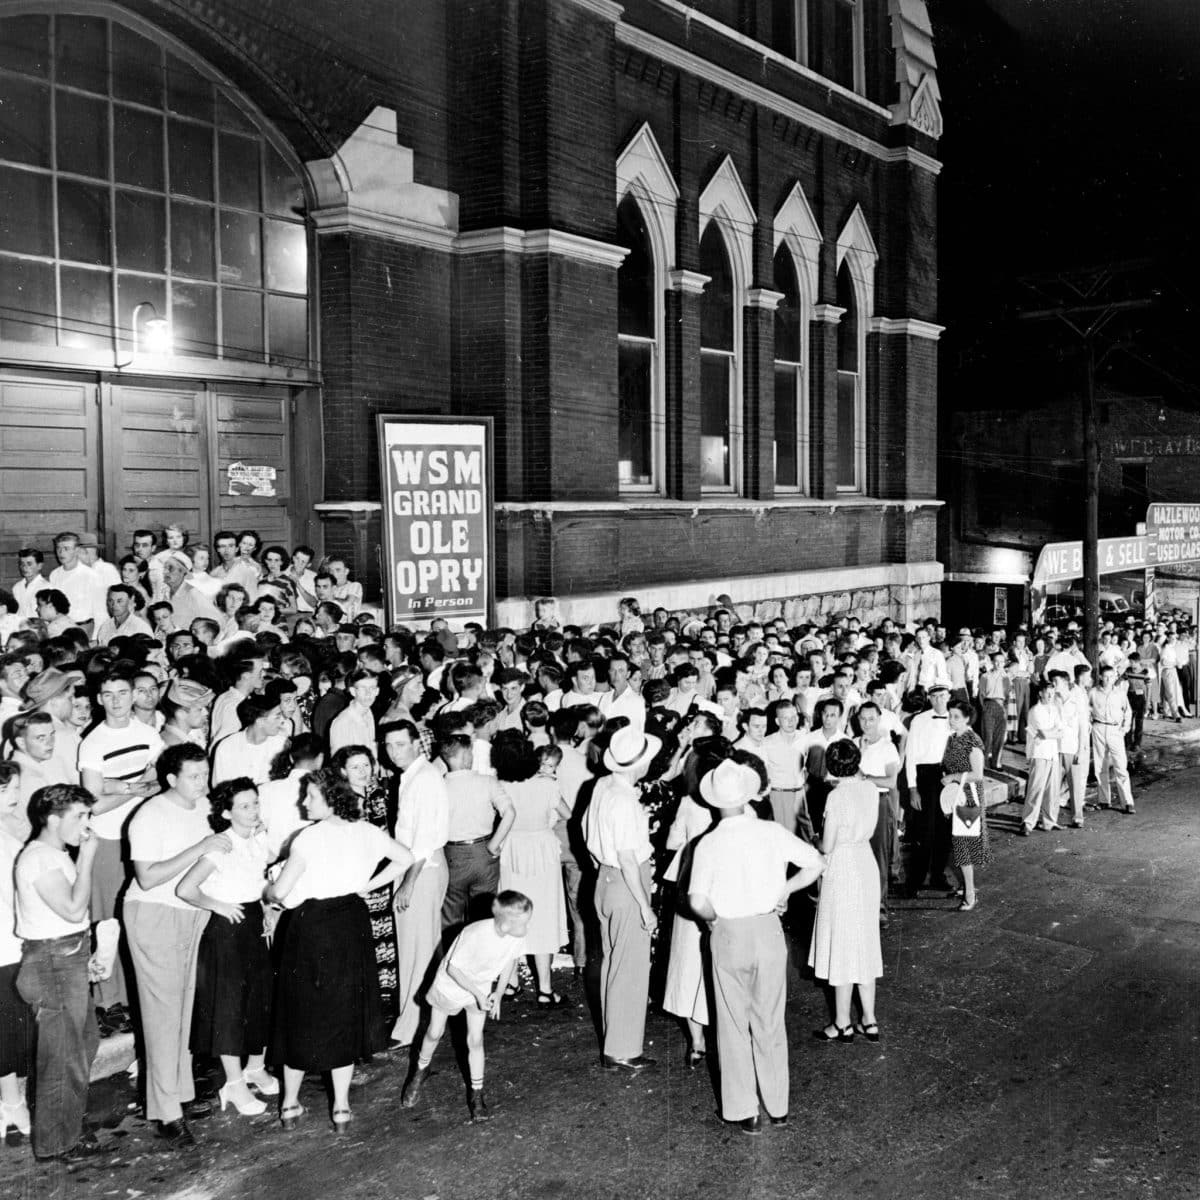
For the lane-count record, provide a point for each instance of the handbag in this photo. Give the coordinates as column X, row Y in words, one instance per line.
column 966, row 820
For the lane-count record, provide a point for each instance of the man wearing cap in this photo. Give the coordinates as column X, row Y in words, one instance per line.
column 89, row 554
column 75, row 580
column 962, row 665
column 187, row 602
column 122, row 619
column 187, row 707
column 928, row 733
column 616, row 830
column 739, row 884
column 53, row 691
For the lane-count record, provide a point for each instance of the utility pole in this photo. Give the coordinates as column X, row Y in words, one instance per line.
column 1087, row 314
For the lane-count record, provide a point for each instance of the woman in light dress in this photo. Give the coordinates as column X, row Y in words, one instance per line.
column 530, row 854
column 845, row 950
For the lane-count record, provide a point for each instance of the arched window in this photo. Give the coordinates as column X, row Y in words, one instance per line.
column 791, row 411
column 718, row 364
column 637, row 349
column 135, row 185
column 850, row 405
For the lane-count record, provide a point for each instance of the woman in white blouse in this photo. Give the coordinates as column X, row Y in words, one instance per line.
column 327, row 1012
column 232, row 1007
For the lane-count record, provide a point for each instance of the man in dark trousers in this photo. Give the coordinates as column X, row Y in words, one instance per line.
column 927, row 736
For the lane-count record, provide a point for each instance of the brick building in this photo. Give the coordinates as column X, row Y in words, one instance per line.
column 683, row 254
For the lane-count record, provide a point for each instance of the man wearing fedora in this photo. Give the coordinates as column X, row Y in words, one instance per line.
column 53, row 691
column 616, row 830
column 740, row 886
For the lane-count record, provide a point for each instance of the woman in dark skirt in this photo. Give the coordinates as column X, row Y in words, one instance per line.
column 327, row 990
column 356, row 765
column 962, row 763
column 232, row 1009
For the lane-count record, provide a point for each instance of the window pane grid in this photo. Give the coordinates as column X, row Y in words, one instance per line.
column 83, row 61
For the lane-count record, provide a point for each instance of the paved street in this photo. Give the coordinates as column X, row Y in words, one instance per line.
column 1043, row 1045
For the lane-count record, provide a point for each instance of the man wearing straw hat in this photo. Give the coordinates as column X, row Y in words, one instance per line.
column 740, row 885
column 616, row 829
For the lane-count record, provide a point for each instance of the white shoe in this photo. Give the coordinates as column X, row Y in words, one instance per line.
column 236, row 1092
column 262, row 1081
column 14, row 1116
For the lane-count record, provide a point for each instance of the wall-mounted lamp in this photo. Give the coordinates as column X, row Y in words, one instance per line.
column 151, row 334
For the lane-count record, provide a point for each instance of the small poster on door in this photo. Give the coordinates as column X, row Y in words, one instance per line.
column 1000, row 607
column 250, row 479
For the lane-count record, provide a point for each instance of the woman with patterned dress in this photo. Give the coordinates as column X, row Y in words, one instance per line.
column 963, row 763
column 845, row 950
column 356, row 765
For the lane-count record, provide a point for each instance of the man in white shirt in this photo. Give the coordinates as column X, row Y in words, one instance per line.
column 752, row 741
column 782, row 751
column 926, row 665
column 89, row 554
column 621, row 700
column 739, row 885
column 230, row 567
column 616, row 830
column 75, row 580
column 512, row 694
column 116, row 764
column 928, row 733
column 1043, row 733
column 422, row 824
column 248, row 675
column 1075, row 748
column 1066, row 658
column 29, row 563
column 122, row 619
column 187, row 602
column 583, row 687
column 1111, row 721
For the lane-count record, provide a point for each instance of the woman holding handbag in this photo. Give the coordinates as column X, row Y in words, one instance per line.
column 962, row 769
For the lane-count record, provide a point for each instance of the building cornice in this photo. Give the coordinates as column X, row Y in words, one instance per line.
column 907, row 327
column 764, row 298
column 540, row 241
column 694, row 17
column 685, row 60
column 828, row 314
column 692, row 282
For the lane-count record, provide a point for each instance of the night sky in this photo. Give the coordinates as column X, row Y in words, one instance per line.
column 1072, row 139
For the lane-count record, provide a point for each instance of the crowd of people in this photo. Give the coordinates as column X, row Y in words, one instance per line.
column 240, row 814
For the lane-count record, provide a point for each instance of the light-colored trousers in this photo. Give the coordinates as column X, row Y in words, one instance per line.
column 1042, row 792
column 418, row 937
column 790, row 810
column 625, row 970
column 1074, row 778
column 108, row 878
column 164, row 943
column 1112, row 767
column 749, row 958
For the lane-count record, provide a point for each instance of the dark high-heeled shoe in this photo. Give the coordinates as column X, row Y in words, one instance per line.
column 870, row 1032
column 695, row 1058
column 839, row 1034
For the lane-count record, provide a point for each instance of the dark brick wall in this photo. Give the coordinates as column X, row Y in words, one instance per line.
column 385, row 347
column 599, row 551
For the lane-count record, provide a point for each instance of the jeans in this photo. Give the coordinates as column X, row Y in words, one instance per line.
column 53, row 982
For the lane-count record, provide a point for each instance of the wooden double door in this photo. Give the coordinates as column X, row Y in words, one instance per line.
column 110, row 456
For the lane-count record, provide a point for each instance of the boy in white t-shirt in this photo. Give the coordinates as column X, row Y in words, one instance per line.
column 483, row 955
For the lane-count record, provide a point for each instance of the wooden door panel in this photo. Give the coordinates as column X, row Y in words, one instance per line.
column 49, row 461
column 159, row 463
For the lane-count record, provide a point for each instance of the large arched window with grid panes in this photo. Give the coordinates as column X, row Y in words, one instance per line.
column 144, row 208
column 637, row 349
